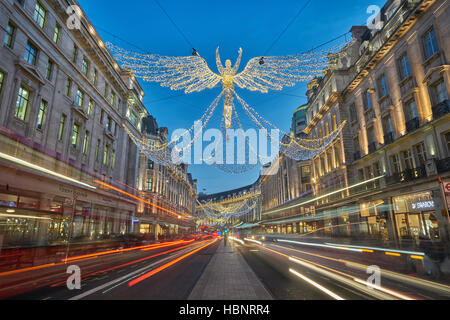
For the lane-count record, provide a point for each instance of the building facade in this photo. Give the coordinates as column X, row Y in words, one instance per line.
column 381, row 178
column 66, row 161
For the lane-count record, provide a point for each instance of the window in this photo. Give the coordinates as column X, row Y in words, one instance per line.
column 133, row 117
column 368, row 100
column 68, row 87
column 23, row 99
column 85, row 66
column 431, row 46
column 95, row 78
column 439, row 93
column 91, row 107
column 97, row 149
column 105, row 94
column 106, row 155
column 411, row 111
column 113, row 99
column 86, row 142
column 62, row 125
column 2, row 79
column 408, row 159
column 447, row 142
column 421, row 153
column 395, row 161
column 382, row 86
column 9, row 37
column 149, row 184
column 31, row 54
column 49, row 71
column 80, row 98
column 75, row 54
column 337, row 155
column 150, row 164
column 75, row 135
column 40, row 15
column 387, row 125
column 41, row 115
column 57, row 34
column 113, row 158
column 405, row 67
column 108, row 123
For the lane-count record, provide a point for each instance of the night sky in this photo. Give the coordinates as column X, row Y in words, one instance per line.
column 252, row 25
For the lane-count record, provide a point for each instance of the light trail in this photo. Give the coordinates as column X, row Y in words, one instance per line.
column 237, row 240
column 319, row 245
column 148, row 247
column 315, row 284
column 42, row 169
column 129, row 263
column 161, row 268
column 254, row 241
column 179, row 216
column 381, row 249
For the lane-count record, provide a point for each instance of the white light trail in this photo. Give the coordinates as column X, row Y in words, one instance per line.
column 319, row 245
column 38, row 168
column 254, row 241
column 380, row 249
column 315, row 284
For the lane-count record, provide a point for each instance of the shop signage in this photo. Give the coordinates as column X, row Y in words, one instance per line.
column 423, row 205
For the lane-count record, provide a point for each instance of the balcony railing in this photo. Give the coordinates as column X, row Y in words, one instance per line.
column 441, row 109
column 388, row 138
column 412, row 125
column 407, row 175
column 443, row 165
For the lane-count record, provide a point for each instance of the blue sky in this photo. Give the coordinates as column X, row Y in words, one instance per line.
column 250, row 24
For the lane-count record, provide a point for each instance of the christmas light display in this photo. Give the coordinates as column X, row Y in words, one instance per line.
column 261, row 74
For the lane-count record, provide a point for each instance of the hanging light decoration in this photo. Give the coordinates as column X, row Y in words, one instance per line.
column 261, row 74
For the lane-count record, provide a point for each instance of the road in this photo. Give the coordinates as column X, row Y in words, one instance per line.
column 170, row 271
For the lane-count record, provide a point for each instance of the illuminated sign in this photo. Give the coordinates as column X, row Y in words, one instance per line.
column 423, row 205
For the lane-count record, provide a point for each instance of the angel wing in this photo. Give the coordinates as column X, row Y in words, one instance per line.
column 273, row 73
column 190, row 74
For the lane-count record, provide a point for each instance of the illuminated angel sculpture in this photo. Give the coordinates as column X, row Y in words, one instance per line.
column 192, row 73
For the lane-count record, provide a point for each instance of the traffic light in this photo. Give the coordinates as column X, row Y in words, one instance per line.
column 225, row 231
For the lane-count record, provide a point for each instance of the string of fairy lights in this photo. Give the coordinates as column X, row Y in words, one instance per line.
column 192, row 74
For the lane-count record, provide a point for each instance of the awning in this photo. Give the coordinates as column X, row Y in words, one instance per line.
column 248, row 225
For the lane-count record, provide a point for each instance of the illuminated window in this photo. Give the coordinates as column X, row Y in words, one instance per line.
column 23, row 99
column 408, row 159
column 334, row 123
column 62, row 124
column 86, row 142
column 150, row 164
column 90, row 107
column 41, row 115
column 9, row 37
column 40, row 15
column 395, row 161
column 113, row 158
column 149, row 184
column 85, row 66
column 80, row 98
column 75, row 54
column 75, row 135
column 49, row 71
column 337, row 155
column 95, row 78
column 327, row 129
column 31, row 54
column 113, row 99
column 57, row 34
column 68, row 87
column 106, row 155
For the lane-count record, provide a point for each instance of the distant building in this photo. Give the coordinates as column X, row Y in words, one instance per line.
column 299, row 121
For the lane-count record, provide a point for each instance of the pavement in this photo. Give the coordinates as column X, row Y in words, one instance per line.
column 229, row 277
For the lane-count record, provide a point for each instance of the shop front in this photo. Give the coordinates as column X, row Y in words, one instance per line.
column 415, row 216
